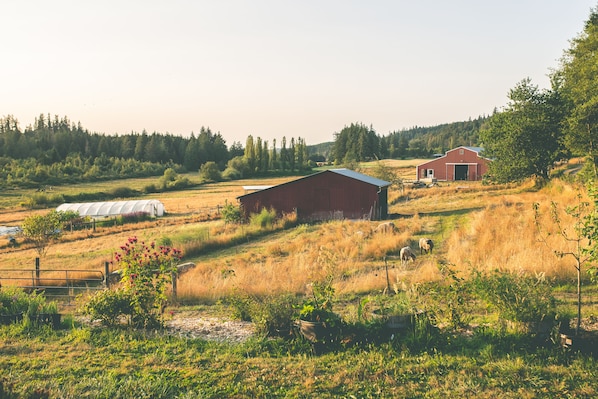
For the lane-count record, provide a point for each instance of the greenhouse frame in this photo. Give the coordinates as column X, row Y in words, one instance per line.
column 153, row 208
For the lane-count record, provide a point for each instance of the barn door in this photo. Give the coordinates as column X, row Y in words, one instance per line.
column 461, row 172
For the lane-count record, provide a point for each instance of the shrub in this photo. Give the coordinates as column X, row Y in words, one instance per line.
column 133, row 217
column 273, row 315
column 231, row 213
column 263, row 219
column 209, row 171
column 517, row 296
column 109, row 306
column 147, row 271
column 123, row 192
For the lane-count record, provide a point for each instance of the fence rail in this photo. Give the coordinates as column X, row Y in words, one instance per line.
column 63, row 284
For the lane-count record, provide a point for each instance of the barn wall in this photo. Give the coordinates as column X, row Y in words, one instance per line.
column 322, row 196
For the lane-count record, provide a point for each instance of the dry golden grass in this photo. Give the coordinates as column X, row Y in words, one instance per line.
column 504, row 235
column 472, row 225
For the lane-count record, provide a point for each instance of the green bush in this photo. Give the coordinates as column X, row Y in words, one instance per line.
column 231, row 213
column 123, row 192
column 517, row 296
column 274, row 314
column 263, row 219
column 109, row 306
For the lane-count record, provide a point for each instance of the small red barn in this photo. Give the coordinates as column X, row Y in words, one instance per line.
column 326, row 195
column 461, row 163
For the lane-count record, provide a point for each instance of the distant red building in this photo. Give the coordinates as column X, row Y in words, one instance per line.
column 326, row 195
column 461, row 163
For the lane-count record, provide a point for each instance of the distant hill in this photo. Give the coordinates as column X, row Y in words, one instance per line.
column 418, row 141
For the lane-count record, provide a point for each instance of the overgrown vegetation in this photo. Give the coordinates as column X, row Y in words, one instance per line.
column 147, row 271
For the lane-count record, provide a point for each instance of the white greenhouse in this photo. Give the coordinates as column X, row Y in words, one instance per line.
column 106, row 208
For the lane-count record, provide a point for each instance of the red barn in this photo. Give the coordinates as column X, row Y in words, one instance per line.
column 326, row 195
column 461, row 163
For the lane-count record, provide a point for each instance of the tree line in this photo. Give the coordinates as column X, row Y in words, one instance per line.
column 56, row 151
column 358, row 142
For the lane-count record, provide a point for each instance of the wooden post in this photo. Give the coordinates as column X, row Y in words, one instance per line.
column 174, row 281
column 37, row 272
column 387, row 278
column 107, row 274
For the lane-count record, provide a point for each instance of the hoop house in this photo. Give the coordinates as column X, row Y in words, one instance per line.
column 105, row 209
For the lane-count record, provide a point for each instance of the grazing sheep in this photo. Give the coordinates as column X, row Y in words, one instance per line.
column 406, row 255
column 386, row 227
column 425, row 245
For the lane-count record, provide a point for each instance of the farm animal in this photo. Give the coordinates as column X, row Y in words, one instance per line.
column 406, row 254
column 425, row 245
column 386, row 228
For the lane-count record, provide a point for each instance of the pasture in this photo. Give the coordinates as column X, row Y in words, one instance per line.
column 473, row 227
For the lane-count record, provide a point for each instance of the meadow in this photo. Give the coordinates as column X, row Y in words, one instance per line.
column 475, row 227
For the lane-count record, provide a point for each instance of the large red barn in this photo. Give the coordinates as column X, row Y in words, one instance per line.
column 461, row 163
column 326, row 195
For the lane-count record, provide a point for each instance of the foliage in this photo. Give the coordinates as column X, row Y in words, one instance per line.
column 13, row 301
column 109, row 306
column 209, row 171
column 146, row 271
column 356, row 143
column 386, row 173
column 579, row 68
column 264, row 219
column 133, row 217
column 583, row 236
column 452, row 298
column 42, row 229
column 318, row 307
column 42, row 200
column 231, row 213
column 523, row 139
column 272, row 315
column 517, row 296
column 123, row 192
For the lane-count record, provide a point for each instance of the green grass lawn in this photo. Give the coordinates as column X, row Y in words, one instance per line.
column 80, row 362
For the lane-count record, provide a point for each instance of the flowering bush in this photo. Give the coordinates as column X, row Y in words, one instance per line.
column 147, row 270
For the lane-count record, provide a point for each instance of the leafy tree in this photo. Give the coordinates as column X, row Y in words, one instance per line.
column 209, row 171
column 583, row 235
column 523, row 139
column 42, row 230
column 250, row 155
column 231, row 213
column 386, row 173
column 356, row 143
column 580, row 88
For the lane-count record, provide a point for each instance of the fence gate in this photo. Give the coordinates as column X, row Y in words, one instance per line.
column 58, row 284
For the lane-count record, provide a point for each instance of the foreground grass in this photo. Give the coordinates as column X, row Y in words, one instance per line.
column 102, row 363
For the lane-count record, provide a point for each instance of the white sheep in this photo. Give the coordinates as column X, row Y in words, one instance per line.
column 406, row 254
column 386, row 228
column 425, row 245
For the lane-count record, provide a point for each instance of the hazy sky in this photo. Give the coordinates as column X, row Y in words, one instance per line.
column 274, row 68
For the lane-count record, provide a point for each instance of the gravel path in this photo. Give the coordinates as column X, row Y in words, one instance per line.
column 198, row 325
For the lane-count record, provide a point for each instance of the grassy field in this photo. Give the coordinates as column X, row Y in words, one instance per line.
column 474, row 227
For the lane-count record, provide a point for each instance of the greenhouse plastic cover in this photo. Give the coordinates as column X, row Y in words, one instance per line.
column 106, row 208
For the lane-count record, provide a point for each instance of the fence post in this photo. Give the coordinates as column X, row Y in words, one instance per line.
column 37, row 272
column 174, row 281
column 107, row 274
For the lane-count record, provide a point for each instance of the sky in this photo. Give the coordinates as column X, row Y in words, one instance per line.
column 274, row 68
